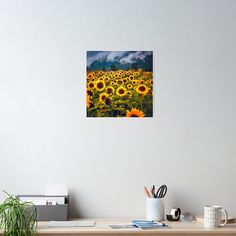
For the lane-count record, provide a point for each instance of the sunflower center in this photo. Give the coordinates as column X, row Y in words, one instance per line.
column 133, row 115
column 100, row 85
column 109, row 90
column 142, row 88
column 121, row 91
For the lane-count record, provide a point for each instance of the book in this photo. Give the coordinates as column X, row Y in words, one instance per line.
column 231, row 220
column 146, row 224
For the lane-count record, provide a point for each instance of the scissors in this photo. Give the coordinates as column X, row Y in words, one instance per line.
column 161, row 192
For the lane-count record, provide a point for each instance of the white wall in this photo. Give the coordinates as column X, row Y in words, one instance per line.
column 45, row 136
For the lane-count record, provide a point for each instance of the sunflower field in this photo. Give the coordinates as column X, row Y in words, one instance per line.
column 120, row 93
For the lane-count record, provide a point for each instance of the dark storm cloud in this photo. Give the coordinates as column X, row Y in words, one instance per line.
column 121, row 57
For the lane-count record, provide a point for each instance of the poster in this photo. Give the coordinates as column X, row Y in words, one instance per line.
column 119, row 84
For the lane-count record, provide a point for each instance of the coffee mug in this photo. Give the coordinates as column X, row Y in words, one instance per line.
column 213, row 216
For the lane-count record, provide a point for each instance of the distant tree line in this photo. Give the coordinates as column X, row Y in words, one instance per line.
column 115, row 68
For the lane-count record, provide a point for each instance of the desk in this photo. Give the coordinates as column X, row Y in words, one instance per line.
column 102, row 229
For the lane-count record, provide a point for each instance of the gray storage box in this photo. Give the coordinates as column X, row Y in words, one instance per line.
column 51, row 212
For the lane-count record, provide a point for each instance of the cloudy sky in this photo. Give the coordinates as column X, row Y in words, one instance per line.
column 121, row 59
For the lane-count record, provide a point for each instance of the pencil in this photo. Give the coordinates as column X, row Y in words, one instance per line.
column 147, row 192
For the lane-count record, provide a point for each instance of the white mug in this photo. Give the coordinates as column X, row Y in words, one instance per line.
column 155, row 209
column 213, row 216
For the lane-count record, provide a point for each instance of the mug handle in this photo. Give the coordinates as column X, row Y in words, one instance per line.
column 226, row 217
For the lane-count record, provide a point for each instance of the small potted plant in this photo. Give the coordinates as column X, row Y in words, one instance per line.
column 17, row 218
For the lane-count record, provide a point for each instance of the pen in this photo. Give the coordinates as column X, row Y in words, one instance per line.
column 150, row 191
column 147, row 192
column 160, row 223
column 153, row 191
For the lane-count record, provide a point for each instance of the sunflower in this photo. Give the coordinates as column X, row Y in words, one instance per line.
column 106, row 79
column 100, row 86
column 129, row 93
column 110, row 90
column 91, row 85
column 141, row 81
column 119, row 82
column 142, row 89
column 88, row 102
column 124, row 81
column 129, row 86
column 102, row 97
column 121, row 91
column 90, row 75
column 135, row 113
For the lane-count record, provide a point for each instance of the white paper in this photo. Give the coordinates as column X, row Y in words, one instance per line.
column 76, row 223
column 44, row 200
column 36, row 202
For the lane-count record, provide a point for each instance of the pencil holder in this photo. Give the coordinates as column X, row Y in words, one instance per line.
column 155, row 209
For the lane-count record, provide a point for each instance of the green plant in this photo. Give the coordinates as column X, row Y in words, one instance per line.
column 17, row 218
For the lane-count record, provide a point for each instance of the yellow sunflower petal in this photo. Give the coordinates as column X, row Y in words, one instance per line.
column 135, row 113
